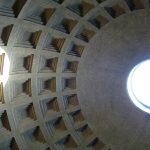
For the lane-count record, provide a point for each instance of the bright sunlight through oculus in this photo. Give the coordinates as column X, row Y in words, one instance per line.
column 5, row 71
column 138, row 85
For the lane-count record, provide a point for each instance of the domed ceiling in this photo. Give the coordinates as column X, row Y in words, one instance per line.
column 68, row 65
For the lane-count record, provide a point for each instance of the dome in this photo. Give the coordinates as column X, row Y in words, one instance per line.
column 64, row 66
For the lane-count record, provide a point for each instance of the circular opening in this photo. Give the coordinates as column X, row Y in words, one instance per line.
column 138, row 85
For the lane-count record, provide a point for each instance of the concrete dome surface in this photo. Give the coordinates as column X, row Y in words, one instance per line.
column 68, row 65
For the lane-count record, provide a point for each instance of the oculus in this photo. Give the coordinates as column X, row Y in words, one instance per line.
column 138, row 85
